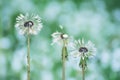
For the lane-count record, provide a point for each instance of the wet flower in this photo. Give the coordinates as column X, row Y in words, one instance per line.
column 82, row 49
column 28, row 24
column 60, row 37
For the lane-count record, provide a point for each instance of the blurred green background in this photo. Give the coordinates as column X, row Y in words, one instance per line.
column 95, row 20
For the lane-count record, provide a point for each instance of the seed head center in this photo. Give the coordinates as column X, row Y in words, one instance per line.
column 28, row 24
column 83, row 49
column 64, row 36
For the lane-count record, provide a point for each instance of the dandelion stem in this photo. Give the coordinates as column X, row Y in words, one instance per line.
column 28, row 57
column 63, row 61
column 83, row 74
column 63, row 67
column 83, row 67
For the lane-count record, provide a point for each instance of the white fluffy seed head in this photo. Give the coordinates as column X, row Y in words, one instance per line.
column 28, row 24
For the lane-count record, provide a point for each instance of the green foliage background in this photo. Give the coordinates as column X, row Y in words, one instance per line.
column 95, row 20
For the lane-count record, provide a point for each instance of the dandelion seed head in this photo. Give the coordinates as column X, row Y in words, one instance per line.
column 79, row 47
column 28, row 24
column 59, row 37
column 82, row 50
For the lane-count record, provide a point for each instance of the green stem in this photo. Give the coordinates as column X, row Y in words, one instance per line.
column 83, row 67
column 83, row 74
column 63, row 67
column 63, row 60
column 28, row 57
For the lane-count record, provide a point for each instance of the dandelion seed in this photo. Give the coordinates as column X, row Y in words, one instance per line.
column 61, row 26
